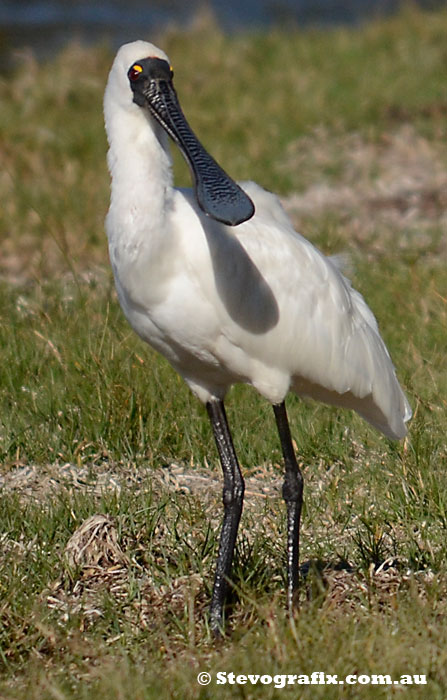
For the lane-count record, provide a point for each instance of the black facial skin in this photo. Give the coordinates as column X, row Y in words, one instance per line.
column 152, row 69
column 217, row 194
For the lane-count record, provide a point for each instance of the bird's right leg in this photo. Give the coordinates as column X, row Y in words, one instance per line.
column 233, row 498
column 292, row 492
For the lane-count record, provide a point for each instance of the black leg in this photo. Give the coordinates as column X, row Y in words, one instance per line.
column 233, row 498
column 292, row 492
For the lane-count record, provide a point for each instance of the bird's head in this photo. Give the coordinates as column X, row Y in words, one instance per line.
column 142, row 78
column 118, row 91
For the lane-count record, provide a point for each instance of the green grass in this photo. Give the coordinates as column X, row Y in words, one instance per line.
column 361, row 114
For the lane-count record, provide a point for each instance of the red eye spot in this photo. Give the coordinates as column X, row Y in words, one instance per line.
column 135, row 72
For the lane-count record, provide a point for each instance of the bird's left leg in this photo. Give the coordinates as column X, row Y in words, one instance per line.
column 292, row 492
column 233, row 498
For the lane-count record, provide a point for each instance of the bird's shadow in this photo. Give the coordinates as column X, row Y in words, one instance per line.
column 315, row 576
column 315, row 580
column 246, row 295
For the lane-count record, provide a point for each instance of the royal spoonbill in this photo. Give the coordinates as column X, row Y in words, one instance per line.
column 217, row 280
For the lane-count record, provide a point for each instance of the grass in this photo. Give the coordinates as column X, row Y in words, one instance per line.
column 349, row 127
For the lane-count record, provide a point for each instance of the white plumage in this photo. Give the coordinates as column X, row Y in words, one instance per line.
column 254, row 303
column 250, row 302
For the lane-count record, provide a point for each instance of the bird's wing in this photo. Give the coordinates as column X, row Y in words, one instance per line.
column 328, row 336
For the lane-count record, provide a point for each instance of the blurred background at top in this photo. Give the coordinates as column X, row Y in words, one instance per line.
column 46, row 26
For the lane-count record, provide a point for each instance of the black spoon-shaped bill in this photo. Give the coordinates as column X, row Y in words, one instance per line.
column 218, row 195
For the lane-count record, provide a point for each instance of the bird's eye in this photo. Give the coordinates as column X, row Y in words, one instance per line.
column 171, row 72
column 135, row 72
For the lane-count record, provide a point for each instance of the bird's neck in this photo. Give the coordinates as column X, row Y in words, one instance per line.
column 140, row 165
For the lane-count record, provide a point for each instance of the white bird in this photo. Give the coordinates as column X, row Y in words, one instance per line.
column 229, row 292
